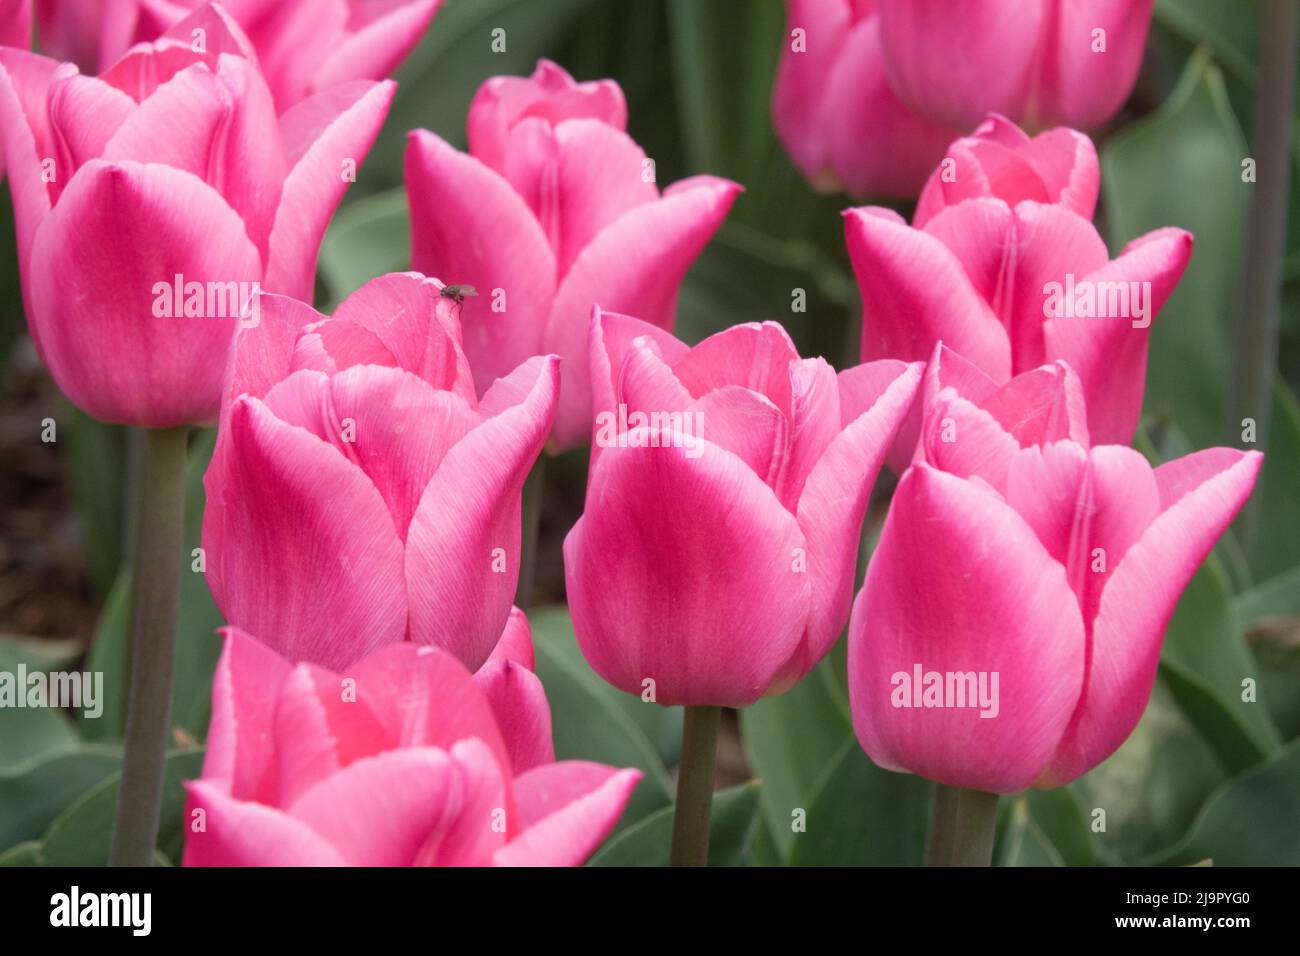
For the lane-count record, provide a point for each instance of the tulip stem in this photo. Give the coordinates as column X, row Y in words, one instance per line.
column 1260, row 288
column 695, row 786
column 961, row 827
column 528, row 542
column 159, row 537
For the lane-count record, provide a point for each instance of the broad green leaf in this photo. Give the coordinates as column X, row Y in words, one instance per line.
column 1152, row 787
column 1022, row 842
column 1203, row 647
column 28, row 732
column 1276, row 646
column 1252, row 820
column 108, row 657
column 593, row 721
column 791, row 741
column 81, row 834
column 24, row 854
column 95, row 460
column 1059, row 817
column 32, row 794
column 861, row 815
column 1277, row 543
column 1181, row 166
column 1276, row 597
column 732, row 826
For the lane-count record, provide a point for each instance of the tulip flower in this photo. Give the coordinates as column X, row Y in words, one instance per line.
column 1040, row 62
column 360, row 494
column 1004, row 267
column 1009, row 628
column 553, row 210
column 152, row 200
column 401, row 759
column 304, row 47
column 834, row 110
column 714, row 562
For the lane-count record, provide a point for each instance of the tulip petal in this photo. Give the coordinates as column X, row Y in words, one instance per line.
column 915, row 294
column 316, row 183
column 570, row 808
column 1109, row 352
column 959, row 584
column 1086, row 86
column 263, row 351
column 835, row 496
column 516, row 643
column 685, row 570
column 456, row 203
column 635, row 265
column 319, row 582
column 468, row 521
column 1135, row 608
column 96, row 303
column 753, row 355
column 376, row 50
column 236, row 833
column 84, row 114
column 521, row 710
column 28, row 140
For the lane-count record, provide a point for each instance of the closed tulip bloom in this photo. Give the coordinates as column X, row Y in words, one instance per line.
column 151, row 201
column 1010, row 625
column 553, row 210
column 402, row 759
column 835, row 112
column 1004, row 266
column 1040, row 62
column 716, row 553
column 1000, row 160
column 360, row 494
column 304, row 46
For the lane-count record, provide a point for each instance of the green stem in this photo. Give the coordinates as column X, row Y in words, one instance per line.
column 961, row 827
column 159, row 536
column 528, row 542
column 695, row 786
column 1260, row 288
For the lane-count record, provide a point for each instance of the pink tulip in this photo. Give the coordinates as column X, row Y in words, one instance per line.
column 835, row 112
column 402, row 759
column 1003, row 266
column 1042, row 566
column 1041, row 62
column 717, row 550
column 149, row 203
column 554, row 210
column 304, row 46
column 16, row 23
column 360, row 495
column 1000, row 161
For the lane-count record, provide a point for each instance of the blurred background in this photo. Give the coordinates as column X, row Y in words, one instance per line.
column 1207, row 774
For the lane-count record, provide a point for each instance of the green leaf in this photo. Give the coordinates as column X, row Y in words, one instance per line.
column 108, row 657
column 861, row 815
column 593, row 721
column 1277, row 544
column 29, row 732
column 81, row 835
column 32, row 794
column 24, row 854
column 1276, row 646
column 1276, row 597
column 1253, row 820
column 1181, row 166
column 732, row 826
column 790, row 741
column 1205, row 662
column 95, row 456
column 1059, row 817
column 1152, row 787
column 1022, row 842
column 368, row 238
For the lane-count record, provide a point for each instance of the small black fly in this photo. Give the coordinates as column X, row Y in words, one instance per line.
column 458, row 292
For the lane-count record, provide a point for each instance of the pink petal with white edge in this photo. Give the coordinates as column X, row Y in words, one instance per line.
column 316, row 183
column 753, row 355
column 568, row 809
column 704, row 537
column 456, row 203
column 250, row 834
column 915, row 293
column 1137, row 603
column 958, row 583
column 635, row 265
column 263, row 353
column 468, row 521
column 516, row 642
column 521, row 710
column 320, row 583
column 376, row 50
